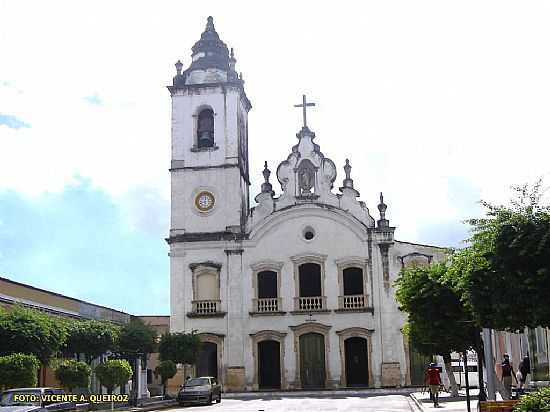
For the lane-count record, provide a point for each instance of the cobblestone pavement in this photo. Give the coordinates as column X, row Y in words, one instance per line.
column 385, row 403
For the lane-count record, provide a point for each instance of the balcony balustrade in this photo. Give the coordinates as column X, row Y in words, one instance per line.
column 310, row 303
column 205, row 307
column 267, row 305
column 353, row 302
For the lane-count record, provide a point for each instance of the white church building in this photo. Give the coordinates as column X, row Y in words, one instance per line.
column 297, row 291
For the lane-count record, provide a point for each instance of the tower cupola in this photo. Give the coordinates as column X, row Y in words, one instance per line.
column 211, row 61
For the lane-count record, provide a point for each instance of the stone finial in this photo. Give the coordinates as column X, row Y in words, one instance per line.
column 232, row 75
column 383, row 222
column 210, row 24
column 179, row 66
column 266, row 186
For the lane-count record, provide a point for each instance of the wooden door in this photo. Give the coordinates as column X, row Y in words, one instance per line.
column 312, row 360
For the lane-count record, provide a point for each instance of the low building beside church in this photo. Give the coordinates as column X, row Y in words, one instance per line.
column 297, row 291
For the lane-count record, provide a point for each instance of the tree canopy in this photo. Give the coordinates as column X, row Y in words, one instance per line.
column 179, row 347
column 438, row 322
column 92, row 338
column 166, row 369
column 504, row 274
column 113, row 373
column 136, row 339
column 30, row 331
column 72, row 374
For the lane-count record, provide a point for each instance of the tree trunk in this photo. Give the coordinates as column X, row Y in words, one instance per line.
column 164, row 389
column 452, row 382
column 480, row 358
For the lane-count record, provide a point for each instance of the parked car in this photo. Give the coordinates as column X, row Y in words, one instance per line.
column 200, row 390
column 31, row 399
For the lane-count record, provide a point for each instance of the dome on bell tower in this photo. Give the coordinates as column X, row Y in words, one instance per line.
column 211, row 60
column 210, row 52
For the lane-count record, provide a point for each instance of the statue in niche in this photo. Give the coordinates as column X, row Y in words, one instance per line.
column 306, row 177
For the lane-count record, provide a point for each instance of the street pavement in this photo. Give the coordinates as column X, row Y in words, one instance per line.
column 327, row 403
column 445, row 402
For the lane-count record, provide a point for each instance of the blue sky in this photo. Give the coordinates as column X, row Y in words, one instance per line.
column 78, row 242
column 437, row 104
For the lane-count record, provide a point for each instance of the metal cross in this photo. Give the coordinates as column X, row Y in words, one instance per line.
column 304, row 105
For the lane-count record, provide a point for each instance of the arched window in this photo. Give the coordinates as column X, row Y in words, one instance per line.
column 205, row 128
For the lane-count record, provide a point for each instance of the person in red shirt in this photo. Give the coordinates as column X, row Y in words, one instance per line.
column 434, row 381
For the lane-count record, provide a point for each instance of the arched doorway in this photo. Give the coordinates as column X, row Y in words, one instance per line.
column 207, row 362
column 269, row 364
column 356, row 358
column 312, row 360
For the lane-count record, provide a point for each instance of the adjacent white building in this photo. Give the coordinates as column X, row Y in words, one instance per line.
column 295, row 292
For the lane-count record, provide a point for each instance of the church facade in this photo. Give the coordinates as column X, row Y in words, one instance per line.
column 295, row 292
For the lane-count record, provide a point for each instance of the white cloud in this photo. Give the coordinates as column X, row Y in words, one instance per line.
column 414, row 93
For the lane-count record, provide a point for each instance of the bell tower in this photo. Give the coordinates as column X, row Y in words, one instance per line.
column 209, row 165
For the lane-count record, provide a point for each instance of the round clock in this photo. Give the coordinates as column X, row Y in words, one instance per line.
column 204, row 201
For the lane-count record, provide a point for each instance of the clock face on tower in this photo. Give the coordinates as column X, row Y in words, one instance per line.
column 204, row 201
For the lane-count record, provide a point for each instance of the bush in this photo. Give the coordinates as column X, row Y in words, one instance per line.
column 113, row 373
column 18, row 370
column 538, row 401
column 73, row 374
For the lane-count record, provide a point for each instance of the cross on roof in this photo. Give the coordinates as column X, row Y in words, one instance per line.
column 304, row 106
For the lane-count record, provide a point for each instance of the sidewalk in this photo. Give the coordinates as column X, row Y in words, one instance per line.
column 317, row 393
column 422, row 400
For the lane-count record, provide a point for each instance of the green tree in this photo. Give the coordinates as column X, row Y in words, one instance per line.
column 73, row 374
column 438, row 322
column 30, row 331
column 504, row 274
column 113, row 373
column 92, row 338
column 18, row 370
column 179, row 347
column 166, row 369
column 136, row 339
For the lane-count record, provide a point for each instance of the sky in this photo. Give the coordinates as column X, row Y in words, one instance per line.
column 438, row 104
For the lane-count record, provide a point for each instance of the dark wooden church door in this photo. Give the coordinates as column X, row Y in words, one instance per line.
column 207, row 362
column 269, row 365
column 312, row 360
column 357, row 368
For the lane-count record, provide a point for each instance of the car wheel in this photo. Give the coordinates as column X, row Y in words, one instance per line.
column 210, row 400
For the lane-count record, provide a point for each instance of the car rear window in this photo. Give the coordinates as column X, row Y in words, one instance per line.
column 197, row 382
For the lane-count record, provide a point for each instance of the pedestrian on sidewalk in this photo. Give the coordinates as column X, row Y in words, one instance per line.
column 507, row 375
column 434, row 381
column 525, row 368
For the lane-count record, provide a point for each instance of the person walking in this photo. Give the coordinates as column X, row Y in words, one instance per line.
column 434, row 381
column 507, row 374
column 525, row 369
column 520, row 379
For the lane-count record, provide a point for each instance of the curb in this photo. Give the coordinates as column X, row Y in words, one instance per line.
column 417, row 402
